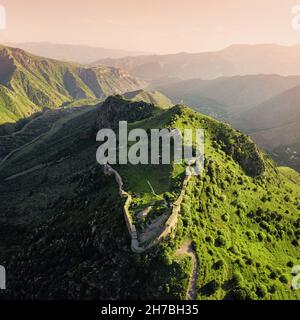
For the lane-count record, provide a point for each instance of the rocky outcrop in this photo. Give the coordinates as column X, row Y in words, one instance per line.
column 115, row 109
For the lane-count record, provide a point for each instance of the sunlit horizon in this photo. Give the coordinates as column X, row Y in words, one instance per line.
column 160, row 27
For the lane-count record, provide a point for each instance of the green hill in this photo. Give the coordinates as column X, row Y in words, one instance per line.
column 154, row 97
column 291, row 174
column 29, row 83
column 63, row 233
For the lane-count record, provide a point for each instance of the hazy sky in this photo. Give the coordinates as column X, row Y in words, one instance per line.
column 160, row 26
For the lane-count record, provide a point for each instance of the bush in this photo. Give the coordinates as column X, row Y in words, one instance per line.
column 234, row 249
column 218, row 264
column 283, row 279
column 237, row 279
column 261, row 291
column 223, row 198
column 261, row 236
column 272, row 289
column 273, row 275
column 250, row 234
column 242, row 294
column 225, row 217
column 211, row 287
column 220, row 241
column 209, row 239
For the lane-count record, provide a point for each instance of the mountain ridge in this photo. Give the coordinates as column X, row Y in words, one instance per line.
column 82, row 54
column 29, row 83
column 233, row 60
column 240, row 216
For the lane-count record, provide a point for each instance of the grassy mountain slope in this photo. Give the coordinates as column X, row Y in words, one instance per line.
column 154, row 97
column 291, row 174
column 234, row 60
column 29, row 83
column 64, row 236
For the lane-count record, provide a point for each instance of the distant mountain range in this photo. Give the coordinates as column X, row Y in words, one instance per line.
column 234, row 60
column 275, row 126
column 30, row 83
column 230, row 95
column 265, row 106
column 281, row 110
column 74, row 53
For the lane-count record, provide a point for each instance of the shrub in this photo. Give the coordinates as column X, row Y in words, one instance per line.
column 249, row 261
column 225, row 217
column 211, row 287
column 223, row 198
column 218, row 264
column 242, row 294
column 209, row 239
column 297, row 234
column 234, row 249
column 272, row 289
column 250, row 234
column 265, row 225
column 237, row 279
column 261, row 291
column 283, row 279
column 220, row 241
column 261, row 236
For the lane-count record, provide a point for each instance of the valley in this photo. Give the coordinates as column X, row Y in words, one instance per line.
column 241, row 215
column 71, row 228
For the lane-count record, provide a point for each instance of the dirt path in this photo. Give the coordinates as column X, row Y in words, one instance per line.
column 187, row 249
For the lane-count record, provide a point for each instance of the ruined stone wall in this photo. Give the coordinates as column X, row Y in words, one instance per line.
column 170, row 224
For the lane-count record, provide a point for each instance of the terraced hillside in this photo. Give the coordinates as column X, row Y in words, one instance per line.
column 63, row 232
column 29, row 83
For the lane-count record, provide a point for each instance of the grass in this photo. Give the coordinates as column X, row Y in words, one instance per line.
column 291, row 174
column 242, row 215
column 30, row 83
